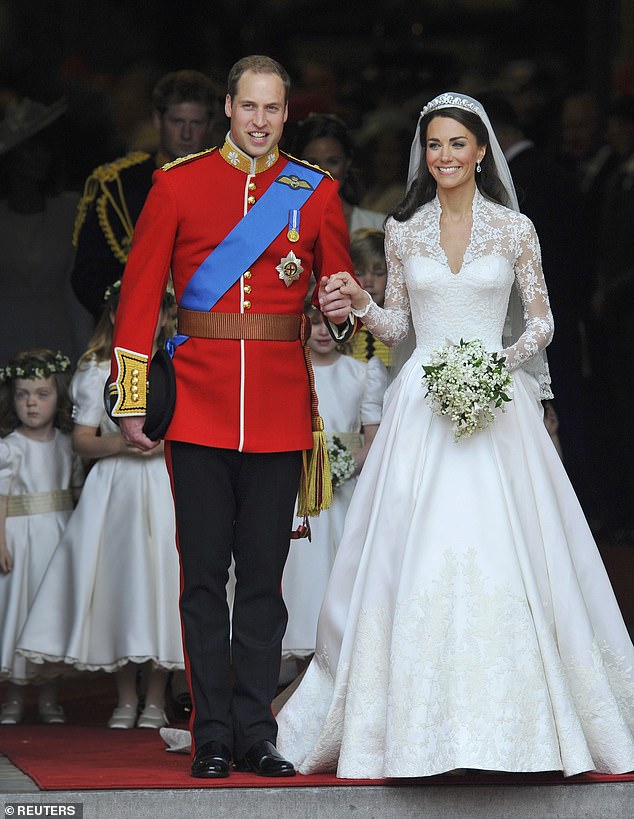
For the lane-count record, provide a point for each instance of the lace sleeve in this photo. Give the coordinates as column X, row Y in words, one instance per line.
column 390, row 323
column 538, row 317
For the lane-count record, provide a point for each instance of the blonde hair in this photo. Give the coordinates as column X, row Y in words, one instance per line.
column 367, row 245
column 100, row 345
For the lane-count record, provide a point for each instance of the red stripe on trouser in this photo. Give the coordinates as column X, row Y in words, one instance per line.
column 168, row 463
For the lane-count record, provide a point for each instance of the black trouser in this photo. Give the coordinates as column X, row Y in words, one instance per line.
column 241, row 504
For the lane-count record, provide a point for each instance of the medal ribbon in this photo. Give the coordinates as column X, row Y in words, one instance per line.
column 293, row 225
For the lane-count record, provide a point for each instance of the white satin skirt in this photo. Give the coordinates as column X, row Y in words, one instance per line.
column 469, row 621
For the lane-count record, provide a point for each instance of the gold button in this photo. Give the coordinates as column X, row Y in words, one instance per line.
column 247, row 274
column 135, row 396
column 135, row 372
column 251, row 200
column 247, row 305
column 135, row 379
column 252, row 186
column 247, row 288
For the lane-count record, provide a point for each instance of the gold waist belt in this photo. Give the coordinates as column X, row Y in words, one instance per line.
column 351, row 440
column 237, row 326
column 36, row 503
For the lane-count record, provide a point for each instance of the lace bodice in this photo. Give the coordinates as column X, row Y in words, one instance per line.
column 473, row 303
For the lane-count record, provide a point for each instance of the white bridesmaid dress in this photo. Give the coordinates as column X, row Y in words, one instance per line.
column 110, row 593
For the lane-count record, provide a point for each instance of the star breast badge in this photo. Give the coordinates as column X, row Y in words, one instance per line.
column 289, row 269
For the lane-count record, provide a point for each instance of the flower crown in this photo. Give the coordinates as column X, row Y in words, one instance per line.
column 450, row 100
column 111, row 290
column 35, row 367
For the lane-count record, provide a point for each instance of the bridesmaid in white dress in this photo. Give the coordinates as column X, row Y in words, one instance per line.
column 469, row 621
column 40, row 479
column 350, row 401
column 109, row 598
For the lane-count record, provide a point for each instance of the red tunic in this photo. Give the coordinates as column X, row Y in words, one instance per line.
column 251, row 396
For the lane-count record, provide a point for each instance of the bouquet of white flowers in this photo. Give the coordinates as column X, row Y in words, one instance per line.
column 465, row 382
column 342, row 465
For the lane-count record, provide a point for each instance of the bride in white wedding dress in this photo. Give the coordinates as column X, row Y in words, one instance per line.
column 469, row 621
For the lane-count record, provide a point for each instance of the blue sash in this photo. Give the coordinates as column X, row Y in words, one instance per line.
column 247, row 240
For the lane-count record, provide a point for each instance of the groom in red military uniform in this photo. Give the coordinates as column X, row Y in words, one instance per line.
column 241, row 229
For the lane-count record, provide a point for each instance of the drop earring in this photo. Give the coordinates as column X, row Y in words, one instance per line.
column 478, row 168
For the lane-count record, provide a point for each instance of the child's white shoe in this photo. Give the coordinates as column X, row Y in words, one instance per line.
column 123, row 716
column 152, row 717
column 51, row 713
column 11, row 712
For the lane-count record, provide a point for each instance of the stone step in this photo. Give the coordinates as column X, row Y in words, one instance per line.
column 566, row 801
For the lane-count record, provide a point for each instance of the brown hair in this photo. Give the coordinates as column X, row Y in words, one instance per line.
column 259, row 64
column 185, row 86
column 423, row 188
column 31, row 360
column 318, row 126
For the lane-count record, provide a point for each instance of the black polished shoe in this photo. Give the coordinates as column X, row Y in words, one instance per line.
column 211, row 761
column 264, row 759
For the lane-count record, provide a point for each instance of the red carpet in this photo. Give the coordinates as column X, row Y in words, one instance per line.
column 73, row 757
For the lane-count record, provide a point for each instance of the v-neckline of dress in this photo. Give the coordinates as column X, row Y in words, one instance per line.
column 469, row 241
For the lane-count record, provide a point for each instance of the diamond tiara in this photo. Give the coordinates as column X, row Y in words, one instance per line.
column 450, row 100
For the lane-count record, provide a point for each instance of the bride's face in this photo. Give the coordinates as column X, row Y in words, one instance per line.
column 451, row 153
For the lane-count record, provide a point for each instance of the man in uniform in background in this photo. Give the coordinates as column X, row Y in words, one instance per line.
column 183, row 105
column 240, row 229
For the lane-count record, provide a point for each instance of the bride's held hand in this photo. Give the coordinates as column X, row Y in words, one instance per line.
column 344, row 288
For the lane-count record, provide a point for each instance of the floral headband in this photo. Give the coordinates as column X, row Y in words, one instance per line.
column 35, row 367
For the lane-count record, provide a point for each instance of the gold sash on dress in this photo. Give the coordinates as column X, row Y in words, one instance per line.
column 36, row 503
column 351, row 440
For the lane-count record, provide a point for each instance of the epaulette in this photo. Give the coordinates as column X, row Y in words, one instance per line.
column 108, row 172
column 307, row 164
column 111, row 170
column 188, row 158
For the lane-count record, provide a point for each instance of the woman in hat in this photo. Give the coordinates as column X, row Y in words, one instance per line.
column 36, row 225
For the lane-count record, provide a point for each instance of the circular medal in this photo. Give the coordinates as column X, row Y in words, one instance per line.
column 292, row 235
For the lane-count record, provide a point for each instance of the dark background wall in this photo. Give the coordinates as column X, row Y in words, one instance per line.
column 105, row 55
column 587, row 41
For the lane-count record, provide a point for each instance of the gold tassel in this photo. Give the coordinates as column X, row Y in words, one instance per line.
column 315, row 487
column 315, row 483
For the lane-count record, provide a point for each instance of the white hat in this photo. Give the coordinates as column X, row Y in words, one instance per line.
column 25, row 118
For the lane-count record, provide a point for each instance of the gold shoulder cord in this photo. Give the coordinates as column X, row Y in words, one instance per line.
column 188, row 158
column 308, row 164
column 99, row 181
